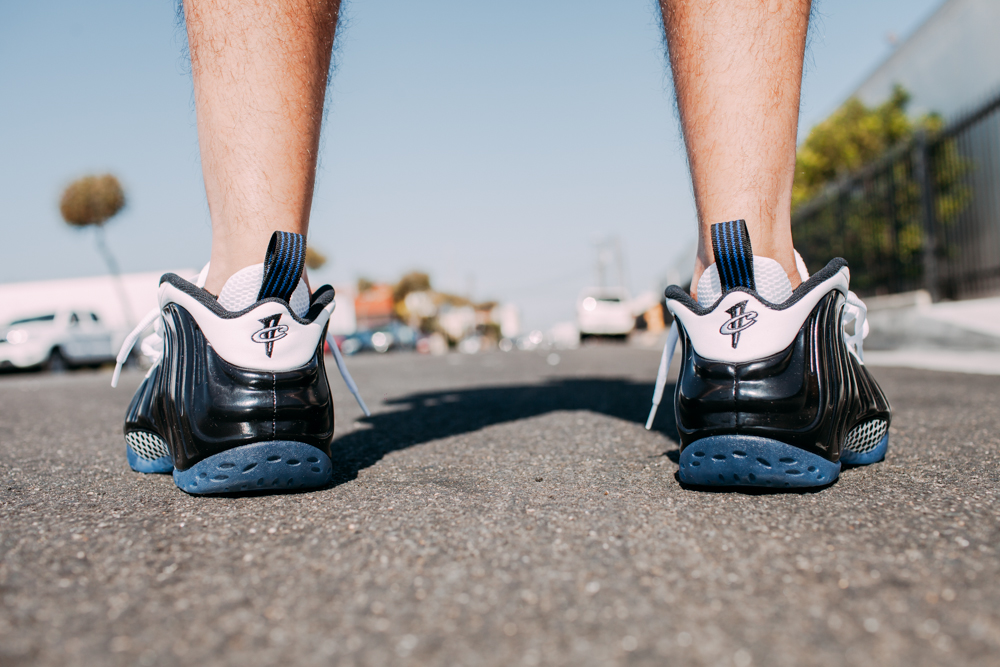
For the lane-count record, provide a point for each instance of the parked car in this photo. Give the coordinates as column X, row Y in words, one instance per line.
column 56, row 341
column 381, row 339
column 604, row 311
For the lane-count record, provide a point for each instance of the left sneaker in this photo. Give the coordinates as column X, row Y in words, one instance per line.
column 238, row 398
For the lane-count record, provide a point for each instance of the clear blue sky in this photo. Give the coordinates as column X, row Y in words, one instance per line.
column 490, row 146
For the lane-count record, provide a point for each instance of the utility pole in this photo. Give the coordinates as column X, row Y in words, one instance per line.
column 924, row 175
column 609, row 251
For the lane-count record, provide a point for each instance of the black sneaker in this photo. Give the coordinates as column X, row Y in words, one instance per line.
column 772, row 389
column 238, row 399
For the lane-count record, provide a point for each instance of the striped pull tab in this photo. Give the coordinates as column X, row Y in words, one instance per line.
column 286, row 256
column 733, row 255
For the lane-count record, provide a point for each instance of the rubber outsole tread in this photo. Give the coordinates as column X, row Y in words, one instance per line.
column 261, row 466
column 743, row 460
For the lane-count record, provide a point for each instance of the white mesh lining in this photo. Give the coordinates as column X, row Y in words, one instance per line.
column 242, row 288
column 147, row 445
column 866, row 437
column 709, row 287
column 771, row 281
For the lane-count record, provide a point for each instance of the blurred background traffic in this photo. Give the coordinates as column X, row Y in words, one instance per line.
column 537, row 201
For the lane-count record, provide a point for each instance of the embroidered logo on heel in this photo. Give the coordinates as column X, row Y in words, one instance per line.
column 739, row 320
column 271, row 332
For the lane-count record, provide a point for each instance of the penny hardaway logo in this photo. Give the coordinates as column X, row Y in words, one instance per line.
column 739, row 319
column 271, row 332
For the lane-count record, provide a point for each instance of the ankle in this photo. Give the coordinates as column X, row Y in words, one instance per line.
column 784, row 255
column 225, row 265
column 775, row 247
column 765, row 242
column 221, row 270
column 231, row 254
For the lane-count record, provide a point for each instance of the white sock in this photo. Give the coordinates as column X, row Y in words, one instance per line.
column 770, row 278
column 242, row 288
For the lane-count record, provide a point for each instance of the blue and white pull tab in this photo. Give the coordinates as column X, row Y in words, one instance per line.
column 286, row 257
column 733, row 255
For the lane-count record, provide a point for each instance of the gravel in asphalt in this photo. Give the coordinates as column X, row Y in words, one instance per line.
column 499, row 509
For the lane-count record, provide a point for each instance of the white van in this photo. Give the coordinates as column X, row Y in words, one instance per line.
column 604, row 311
column 56, row 340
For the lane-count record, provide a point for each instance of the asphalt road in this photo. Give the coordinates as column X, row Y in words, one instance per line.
column 499, row 510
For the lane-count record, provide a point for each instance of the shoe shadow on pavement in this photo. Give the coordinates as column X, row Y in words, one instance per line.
column 423, row 417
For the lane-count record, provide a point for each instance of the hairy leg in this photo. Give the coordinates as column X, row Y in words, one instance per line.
column 260, row 73
column 737, row 67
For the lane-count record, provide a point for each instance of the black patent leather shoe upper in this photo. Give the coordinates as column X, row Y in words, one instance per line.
column 202, row 405
column 809, row 395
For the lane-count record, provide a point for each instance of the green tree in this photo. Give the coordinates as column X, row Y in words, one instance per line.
column 857, row 191
column 853, row 136
column 414, row 281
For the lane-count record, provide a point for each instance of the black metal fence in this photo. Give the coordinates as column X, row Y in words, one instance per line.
column 925, row 215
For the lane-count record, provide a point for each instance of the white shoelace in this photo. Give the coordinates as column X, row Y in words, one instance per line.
column 854, row 321
column 152, row 347
column 348, row 380
column 661, row 374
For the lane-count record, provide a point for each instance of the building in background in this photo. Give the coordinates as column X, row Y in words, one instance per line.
column 374, row 307
column 949, row 65
column 926, row 213
column 343, row 321
column 97, row 294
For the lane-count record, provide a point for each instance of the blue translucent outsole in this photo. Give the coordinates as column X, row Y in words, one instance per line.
column 745, row 460
column 164, row 464
column 262, row 466
column 874, row 456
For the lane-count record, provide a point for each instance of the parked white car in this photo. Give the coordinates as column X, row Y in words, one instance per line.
column 604, row 311
column 56, row 341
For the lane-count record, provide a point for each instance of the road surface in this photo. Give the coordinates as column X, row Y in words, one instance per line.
column 499, row 509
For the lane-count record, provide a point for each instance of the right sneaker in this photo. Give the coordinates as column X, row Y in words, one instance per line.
column 772, row 390
column 238, row 399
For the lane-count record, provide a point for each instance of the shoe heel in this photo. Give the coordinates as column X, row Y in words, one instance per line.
column 874, row 455
column 147, row 453
column 261, row 466
column 744, row 460
column 159, row 466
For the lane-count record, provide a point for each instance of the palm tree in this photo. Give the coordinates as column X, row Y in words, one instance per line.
column 90, row 202
column 314, row 258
